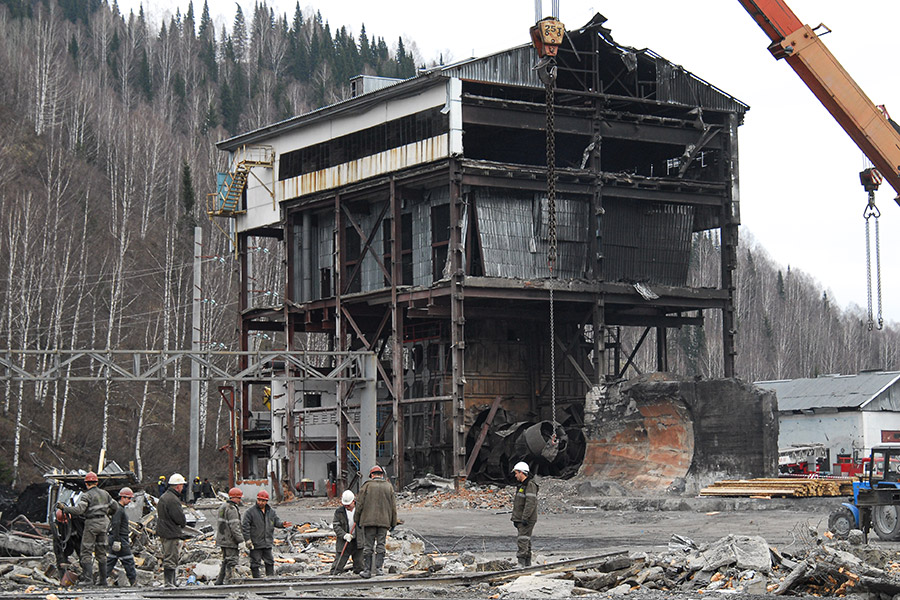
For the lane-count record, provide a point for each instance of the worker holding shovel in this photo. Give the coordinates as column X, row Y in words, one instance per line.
column 345, row 531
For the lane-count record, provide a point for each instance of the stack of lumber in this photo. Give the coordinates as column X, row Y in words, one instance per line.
column 781, row 487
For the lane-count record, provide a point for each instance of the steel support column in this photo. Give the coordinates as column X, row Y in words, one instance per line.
column 457, row 326
column 731, row 218
column 340, row 342
column 397, row 334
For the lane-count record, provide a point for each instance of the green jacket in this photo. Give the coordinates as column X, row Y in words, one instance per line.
column 228, row 525
column 525, row 502
column 94, row 504
column 376, row 505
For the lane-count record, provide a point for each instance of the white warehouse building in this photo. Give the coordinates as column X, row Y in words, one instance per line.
column 848, row 414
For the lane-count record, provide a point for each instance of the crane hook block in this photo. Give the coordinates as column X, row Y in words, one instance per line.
column 870, row 179
column 547, row 36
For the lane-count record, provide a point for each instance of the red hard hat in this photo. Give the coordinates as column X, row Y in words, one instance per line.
column 91, row 476
column 376, row 469
column 126, row 492
column 262, row 495
column 61, row 516
column 235, row 492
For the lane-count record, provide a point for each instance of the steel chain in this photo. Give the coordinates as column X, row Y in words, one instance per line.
column 871, row 323
column 551, row 234
column 878, row 273
column 872, row 211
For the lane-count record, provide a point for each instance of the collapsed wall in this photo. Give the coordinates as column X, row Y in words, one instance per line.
column 651, row 433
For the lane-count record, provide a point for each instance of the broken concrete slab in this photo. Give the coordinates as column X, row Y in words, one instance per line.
column 744, row 552
column 535, row 586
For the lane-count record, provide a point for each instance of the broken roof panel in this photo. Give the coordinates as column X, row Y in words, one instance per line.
column 831, row 391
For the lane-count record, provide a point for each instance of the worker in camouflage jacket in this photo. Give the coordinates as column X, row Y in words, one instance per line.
column 170, row 523
column 120, row 538
column 524, row 513
column 229, row 535
column 347, row 543
column 258, row 526
column 95, row 506
column 376, row 512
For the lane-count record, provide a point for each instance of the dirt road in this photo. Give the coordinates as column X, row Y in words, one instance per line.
column 634, row 524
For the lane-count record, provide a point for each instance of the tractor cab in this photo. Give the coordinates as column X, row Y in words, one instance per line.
column 884, row 466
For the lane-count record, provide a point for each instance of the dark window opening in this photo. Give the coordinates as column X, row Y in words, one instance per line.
column 440, row 239
column 312, row 400
column 352, row 256
column 393, row 134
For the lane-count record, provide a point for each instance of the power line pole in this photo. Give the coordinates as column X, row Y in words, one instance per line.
column 194, row 460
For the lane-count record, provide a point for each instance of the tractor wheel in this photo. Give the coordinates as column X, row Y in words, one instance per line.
column 886, row 522
column 841, row 521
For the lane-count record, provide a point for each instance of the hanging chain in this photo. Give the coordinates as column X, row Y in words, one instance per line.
column 872, row 211
column 551, row 233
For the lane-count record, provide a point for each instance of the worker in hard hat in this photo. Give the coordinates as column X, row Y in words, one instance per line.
column 170, row 522
column 95, row 505
column 258, row 526
column 346, row 545
column 196, row 487
column 524, row 513
column 120, row 538
column 160, row 486
column 376, row 512
column 228, row 534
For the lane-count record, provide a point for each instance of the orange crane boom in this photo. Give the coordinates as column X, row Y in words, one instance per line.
column 804, row 51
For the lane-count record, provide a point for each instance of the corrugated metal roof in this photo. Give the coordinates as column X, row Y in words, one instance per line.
column 831, row 391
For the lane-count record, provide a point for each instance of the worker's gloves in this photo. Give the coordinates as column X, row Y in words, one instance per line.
column 348, row 537
column 249, row 545
column 116, row 546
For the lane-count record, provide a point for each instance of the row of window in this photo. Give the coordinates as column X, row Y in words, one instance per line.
column 393, row 134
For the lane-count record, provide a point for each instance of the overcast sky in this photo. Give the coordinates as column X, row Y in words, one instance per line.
column 800, row 193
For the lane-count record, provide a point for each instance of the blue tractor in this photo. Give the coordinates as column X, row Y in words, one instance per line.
column 876, row 498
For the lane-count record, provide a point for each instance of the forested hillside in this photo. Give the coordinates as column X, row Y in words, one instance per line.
column 107, row 131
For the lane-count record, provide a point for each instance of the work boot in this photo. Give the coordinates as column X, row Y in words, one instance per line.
column 379, row 562
column 523, row 562
column 220, row 578
column 270, row 569
column 87, row 571
column 101, row 573
column 528, row 561
column 255, row 572
column 169, row 577
column 367, row 570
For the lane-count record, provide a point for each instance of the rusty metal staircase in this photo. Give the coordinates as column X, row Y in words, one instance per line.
column 226, row 201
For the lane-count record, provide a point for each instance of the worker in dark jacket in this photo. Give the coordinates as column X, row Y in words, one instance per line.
column 258, row 527
column 524, row 513
column 95, row 505
column 195, row 489
column 206, row 489
column 229, row 535
column 346, row 544
column 120, row 538
column 169, row 523
column 376, row 512
column 161, row 486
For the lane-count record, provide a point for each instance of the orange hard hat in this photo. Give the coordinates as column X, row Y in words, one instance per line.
column 376, row 469
column 91, row 476
column 235, row 492
column 126, row 492
column 262, row 495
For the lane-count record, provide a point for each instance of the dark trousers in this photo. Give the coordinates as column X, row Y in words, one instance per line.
column 375, row 537
column 523, row 540
column 127, row 559
column 260, row 556
column 344, row 551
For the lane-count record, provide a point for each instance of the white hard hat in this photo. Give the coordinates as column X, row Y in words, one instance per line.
column 520, row 466
column 177, row 479
column 347, row 498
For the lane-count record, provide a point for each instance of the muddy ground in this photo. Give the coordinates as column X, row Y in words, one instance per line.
column 567, row 527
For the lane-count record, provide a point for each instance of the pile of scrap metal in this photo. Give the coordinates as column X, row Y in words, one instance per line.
column 509, row 441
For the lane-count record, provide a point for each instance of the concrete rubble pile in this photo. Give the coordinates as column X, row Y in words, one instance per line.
column 432, row 491
column 733, row 564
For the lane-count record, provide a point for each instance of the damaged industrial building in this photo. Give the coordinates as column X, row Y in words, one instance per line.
column 412, row 221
